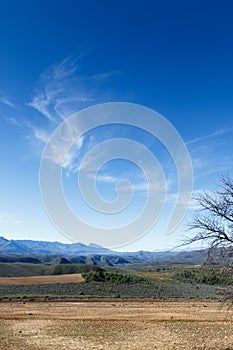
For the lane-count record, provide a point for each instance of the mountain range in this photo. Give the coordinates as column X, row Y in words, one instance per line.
column 31, row 247
column 78, row 253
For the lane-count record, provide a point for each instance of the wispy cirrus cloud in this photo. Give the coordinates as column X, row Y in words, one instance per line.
column 57, row 93
column 6, row 218
column 135, row 180
column 61, row 91
column 209, row 136
column 39, row 137
column 13, row 121
column 5, row 100
column 99, row 77
column 209, row 153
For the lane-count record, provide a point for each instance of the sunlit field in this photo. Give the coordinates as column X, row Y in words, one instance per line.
column 116, row 324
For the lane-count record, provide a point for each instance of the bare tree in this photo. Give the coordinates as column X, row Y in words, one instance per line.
column 212, row 222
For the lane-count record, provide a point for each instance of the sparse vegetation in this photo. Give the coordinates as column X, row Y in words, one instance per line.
column 125, row 282
column 211, row 276
column 118, row 324
column 27, row 269
column 111, row 277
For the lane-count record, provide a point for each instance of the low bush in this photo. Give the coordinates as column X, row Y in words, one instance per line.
column 211, row 276
column 112, row 277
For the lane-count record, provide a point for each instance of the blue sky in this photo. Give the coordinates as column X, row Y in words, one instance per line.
column 58, row 57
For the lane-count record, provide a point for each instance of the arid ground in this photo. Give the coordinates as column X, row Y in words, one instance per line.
column 115, row 324
column 71, row 278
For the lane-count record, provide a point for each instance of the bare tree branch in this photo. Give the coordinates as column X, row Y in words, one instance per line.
column 213, row 221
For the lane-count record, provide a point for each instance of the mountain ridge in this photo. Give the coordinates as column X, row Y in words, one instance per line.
column 79, row 253
column 34, row 247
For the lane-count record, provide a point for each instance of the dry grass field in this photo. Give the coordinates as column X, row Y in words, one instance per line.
column 115, row 324
column 72, row 278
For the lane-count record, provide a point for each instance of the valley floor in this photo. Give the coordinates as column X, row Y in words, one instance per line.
column 116, row 324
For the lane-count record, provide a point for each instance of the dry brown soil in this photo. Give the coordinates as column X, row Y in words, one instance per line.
column 42, row 279
column 64, row 325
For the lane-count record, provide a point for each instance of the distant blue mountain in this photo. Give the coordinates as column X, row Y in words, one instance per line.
column 79, row 253
column 30, row 247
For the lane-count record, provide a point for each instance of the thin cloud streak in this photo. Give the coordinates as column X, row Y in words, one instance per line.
column 6, row 218
column 13, row 121
column 5, row 100
column 209, row 136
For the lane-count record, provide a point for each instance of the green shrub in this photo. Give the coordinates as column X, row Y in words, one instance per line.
column 104, row 276
column 211, row 276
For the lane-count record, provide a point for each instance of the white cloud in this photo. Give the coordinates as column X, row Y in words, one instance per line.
column 107, row 178
column 58, row 92
column 5, row 100
column 13, row 121
column 102, row 76
column 56, row 150
column 184, row 198
column 208, row 136
column 9, row 218
column 40, row 134
column 61, row 90
column 135, row 181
